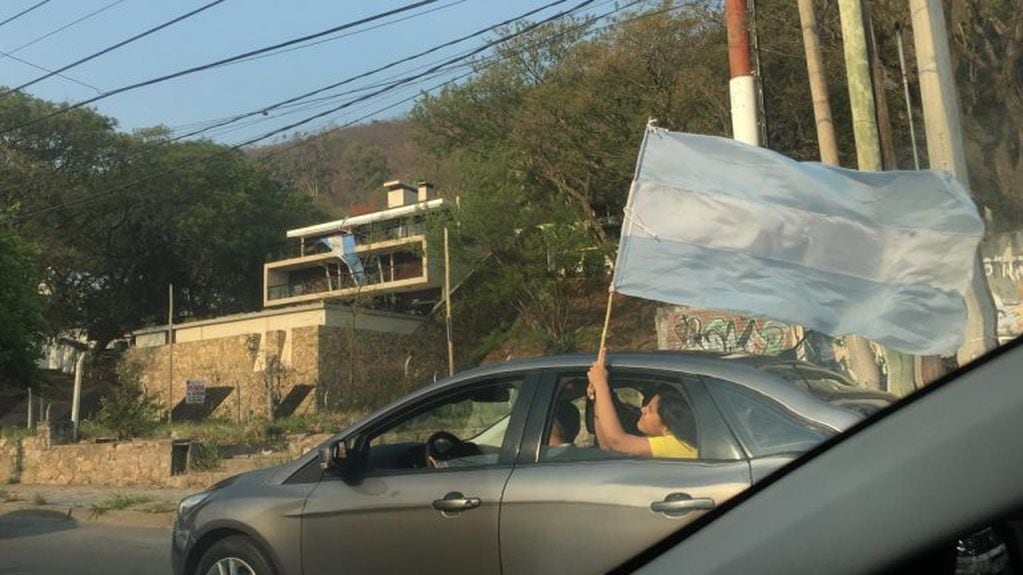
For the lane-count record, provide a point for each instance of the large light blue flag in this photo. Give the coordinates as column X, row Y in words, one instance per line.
column 343, row 246
column 715, row 223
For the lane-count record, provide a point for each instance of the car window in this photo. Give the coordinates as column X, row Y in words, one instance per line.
column 763, row 425
column 570, row 434
column 464, row 429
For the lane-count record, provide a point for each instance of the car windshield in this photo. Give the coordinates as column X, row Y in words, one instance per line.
column 379, row 247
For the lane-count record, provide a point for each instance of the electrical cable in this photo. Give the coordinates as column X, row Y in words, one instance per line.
column 95, row 55
column 272, row 133
column 23, row 12
column 200, row 68
column 57, row 74
column 64, row 27
column 376, row 70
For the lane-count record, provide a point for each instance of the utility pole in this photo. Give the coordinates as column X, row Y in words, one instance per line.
column 170, row 353
column 943, row 128
column 447, row 303
column 742, row 87
column 818, row 84
column 868, row 152
column 76, row 396
column 29, row 416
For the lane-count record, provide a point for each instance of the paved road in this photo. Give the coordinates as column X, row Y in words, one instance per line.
column 43, row 542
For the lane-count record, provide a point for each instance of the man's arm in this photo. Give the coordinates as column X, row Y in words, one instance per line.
column 610, row 433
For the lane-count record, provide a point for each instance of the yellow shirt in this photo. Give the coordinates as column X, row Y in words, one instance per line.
column 671, row 447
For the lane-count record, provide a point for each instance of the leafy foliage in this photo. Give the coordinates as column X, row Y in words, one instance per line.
column 129, row 411
column 22, row 326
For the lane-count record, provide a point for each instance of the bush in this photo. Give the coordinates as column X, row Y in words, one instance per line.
column 129, row 411
column 204, row 456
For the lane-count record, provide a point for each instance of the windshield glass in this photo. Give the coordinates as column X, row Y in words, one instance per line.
column 228, row 232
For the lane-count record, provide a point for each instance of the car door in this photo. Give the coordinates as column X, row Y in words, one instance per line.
column 397, row 512
column 574, row 508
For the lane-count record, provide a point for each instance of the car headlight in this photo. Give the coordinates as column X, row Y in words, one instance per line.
column 189, row 503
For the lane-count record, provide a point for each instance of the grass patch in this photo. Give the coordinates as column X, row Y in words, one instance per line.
column 204, row 455
column 160, row 507
column 16, row 432
column 117, row 502
column 38, row 499
column 7, row 496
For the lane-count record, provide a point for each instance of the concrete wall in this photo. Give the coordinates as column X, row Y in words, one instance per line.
column 9, row 459
column 690, row 329
column 1002, row 256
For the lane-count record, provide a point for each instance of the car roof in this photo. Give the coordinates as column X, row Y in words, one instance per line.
column 795, row 399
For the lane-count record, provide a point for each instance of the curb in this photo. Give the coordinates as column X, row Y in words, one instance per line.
column 127, row 517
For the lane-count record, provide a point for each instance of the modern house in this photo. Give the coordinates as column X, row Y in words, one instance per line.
column 391, row 245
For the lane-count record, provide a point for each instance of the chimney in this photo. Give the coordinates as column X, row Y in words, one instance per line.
column 400, row 194
column 426, row 191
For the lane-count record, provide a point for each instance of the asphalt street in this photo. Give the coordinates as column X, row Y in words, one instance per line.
column 44, row 542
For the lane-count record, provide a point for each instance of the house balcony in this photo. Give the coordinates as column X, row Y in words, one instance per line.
column 390, row 266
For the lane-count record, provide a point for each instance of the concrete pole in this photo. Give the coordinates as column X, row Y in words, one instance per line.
column 170, row 353
column 447, row 303
column 868, row 153
column 943, row 126
column 76, row 396
column 742, row 87
column 30, row 421
column 818, row 84
column 861, row 89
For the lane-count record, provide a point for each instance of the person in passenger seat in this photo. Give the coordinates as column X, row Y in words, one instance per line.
column 565, row 426
column 664, row 421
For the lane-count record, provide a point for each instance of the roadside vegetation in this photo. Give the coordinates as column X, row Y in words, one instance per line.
column 118, row 502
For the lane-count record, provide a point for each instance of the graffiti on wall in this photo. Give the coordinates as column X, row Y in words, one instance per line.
column 682, row 328
column 1002, row 256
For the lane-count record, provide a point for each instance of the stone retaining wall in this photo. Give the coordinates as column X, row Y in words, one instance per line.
column 129, row 463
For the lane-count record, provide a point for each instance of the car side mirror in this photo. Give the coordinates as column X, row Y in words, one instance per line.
column 333, row 456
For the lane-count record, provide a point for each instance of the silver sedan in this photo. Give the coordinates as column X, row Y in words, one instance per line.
column 499, row 470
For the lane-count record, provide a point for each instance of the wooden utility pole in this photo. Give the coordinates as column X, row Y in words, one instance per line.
column 909, row 99
column 818, row 84
column 447, row 303
column 943, row 128
column 170, row 353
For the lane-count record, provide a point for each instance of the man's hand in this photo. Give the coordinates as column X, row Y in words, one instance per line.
column 597, row 375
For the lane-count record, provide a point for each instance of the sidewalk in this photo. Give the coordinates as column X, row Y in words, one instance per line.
column 131, row 506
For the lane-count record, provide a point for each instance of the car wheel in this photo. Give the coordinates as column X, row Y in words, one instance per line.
column 235, row 555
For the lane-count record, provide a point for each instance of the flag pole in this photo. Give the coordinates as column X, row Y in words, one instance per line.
column 607, row 322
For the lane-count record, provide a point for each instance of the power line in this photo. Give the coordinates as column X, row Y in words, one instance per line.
column 353, row 33
column 376, row 70
column 272, row 133
column 59, row 75
column 194, row 69
column 289, row 127
column 23, row 12
column 64, row 27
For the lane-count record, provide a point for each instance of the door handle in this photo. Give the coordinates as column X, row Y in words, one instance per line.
column 455, row 502
column 676, row 504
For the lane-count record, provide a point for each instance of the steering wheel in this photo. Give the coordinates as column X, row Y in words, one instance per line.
column 440, row 443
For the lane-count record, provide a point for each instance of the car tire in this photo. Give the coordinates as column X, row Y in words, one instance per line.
column 236, row 551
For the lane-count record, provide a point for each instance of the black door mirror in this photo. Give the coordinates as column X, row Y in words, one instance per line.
column 333, row 456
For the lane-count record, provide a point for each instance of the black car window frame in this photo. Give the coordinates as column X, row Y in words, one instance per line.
column 739, row 431
column 705, row 411
column 509, row 448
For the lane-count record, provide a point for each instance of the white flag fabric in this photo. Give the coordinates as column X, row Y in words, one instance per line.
column 343, row 246
column 714, row 223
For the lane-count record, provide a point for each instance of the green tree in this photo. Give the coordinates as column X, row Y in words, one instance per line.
column 22, row 329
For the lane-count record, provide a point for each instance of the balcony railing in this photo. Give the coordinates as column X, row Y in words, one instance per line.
column 375, row 276
column 368, row 235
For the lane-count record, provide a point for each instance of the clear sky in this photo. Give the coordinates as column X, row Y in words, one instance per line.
column 233, row 27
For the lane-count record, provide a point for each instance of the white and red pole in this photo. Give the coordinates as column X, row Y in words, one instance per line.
column 742, row 87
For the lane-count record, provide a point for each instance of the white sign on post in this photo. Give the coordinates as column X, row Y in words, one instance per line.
column 195, row 391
